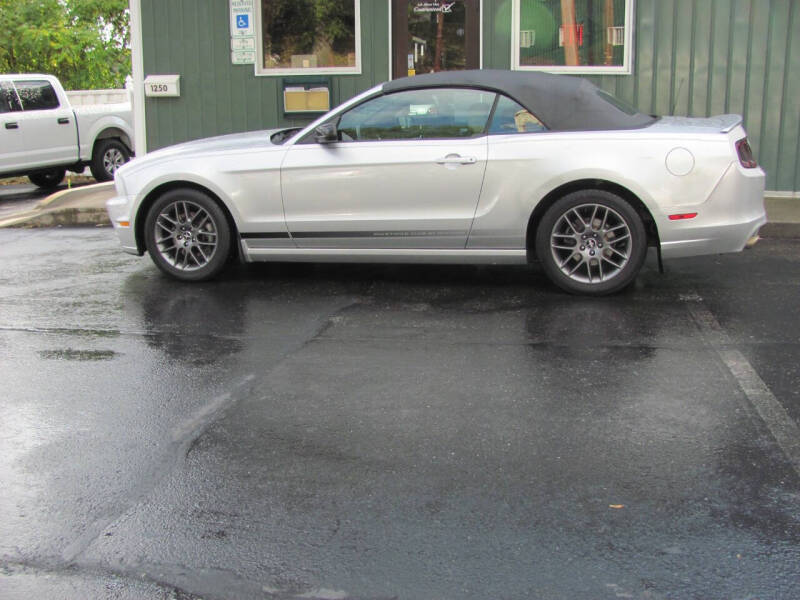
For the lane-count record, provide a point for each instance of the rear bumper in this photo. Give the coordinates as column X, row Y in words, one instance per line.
column 731, row 216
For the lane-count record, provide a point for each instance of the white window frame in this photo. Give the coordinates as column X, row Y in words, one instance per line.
column 627, row 61
column 283, row 71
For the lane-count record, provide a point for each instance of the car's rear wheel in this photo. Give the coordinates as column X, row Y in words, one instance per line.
column 48, row 178
column 591, row 242
column 187, row 235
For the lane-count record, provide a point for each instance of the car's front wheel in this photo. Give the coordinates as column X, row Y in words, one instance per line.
column 187, row 235
column 591, row 242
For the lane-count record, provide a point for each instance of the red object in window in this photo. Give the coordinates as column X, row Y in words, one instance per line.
column 745, row 153
column 570, row 34
column 680, row 217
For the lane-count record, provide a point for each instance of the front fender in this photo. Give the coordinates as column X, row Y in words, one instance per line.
column 247, row 183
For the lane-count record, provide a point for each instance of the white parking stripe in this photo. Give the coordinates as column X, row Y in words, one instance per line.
column 782, row 427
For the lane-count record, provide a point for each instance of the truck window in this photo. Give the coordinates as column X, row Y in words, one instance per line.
column 36, row 95
column 8, row 98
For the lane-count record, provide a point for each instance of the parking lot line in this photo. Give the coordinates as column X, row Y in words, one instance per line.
column 782, row 427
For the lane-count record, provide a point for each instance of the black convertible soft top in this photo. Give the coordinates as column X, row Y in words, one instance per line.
column 562, row 103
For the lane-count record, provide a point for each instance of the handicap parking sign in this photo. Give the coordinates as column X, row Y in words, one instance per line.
column 241, row 18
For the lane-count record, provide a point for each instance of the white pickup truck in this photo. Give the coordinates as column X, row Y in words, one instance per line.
column 42, row 136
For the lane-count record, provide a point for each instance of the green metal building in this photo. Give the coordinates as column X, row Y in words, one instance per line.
column 255, row 64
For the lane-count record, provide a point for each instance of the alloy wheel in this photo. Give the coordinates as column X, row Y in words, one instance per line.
column 186, row 235
column 591, row 243
column 113, row 159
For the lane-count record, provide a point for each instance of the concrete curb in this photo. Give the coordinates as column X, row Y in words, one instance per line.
column 60, row 217
column 75, row 194
column 77, row 207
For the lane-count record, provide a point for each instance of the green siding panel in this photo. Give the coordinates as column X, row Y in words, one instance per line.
column 496, row 34
column 788, row 166
column 710, row 57
column 192, row 38
column 691, row 57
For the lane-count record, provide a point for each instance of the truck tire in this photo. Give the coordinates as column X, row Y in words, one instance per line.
column 48, row 178
column 108, row 156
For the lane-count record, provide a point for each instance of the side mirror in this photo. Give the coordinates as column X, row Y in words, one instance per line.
column 326, row 133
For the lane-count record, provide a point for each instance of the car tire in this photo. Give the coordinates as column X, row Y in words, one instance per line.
column 187, row 235
column 108, row 156
column 47, row 179
column 591, row 242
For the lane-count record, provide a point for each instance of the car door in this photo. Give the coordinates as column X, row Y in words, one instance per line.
column 11, row 141
column 47, row 130
column 407, row 173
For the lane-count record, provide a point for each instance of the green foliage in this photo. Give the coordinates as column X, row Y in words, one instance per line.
column 85, row 43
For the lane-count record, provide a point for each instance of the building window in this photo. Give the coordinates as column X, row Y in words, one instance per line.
column 573, row 36
column 309, row 36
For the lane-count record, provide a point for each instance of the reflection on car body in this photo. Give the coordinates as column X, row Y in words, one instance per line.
column 454, row 167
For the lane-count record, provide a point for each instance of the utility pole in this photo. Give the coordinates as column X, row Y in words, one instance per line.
column 608, row 23
column 570, row 28
column 437, row 60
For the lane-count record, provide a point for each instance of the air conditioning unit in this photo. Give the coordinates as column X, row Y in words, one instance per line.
column 615, row 36
column 527, row 38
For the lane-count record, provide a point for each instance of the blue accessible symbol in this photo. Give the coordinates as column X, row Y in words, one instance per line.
column 242, row 21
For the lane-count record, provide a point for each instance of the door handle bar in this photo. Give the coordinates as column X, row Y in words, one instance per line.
column 456, row 160
column 63, row 120
column 12, row 126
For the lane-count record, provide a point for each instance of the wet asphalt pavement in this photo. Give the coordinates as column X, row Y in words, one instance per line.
column 346, row 431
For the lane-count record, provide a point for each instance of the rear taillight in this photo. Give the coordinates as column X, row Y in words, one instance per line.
column 745, row 154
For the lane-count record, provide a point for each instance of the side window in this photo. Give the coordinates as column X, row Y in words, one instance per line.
column 8, row 98
column 36, row 95
column 437, row 113
column 510, row 117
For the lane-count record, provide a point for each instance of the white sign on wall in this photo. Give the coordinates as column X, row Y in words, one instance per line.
column 162, row 86
column 243, row 43
column 243, row 40
column 242, row 18
column 243, row 57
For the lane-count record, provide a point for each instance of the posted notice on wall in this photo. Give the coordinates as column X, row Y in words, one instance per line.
column 242, row 21
column 243, row 41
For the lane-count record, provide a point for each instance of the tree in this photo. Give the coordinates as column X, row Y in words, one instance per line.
column 85, row 43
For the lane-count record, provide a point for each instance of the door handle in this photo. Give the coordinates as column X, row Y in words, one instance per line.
column 12, row 126
column 456, row 159
column 63, row 120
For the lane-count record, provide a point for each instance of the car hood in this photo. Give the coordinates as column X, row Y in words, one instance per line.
column 222, row 143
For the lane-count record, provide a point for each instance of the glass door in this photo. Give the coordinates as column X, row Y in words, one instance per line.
column 434, row 35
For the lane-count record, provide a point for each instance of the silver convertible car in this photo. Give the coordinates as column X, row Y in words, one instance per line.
column 454, row 167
